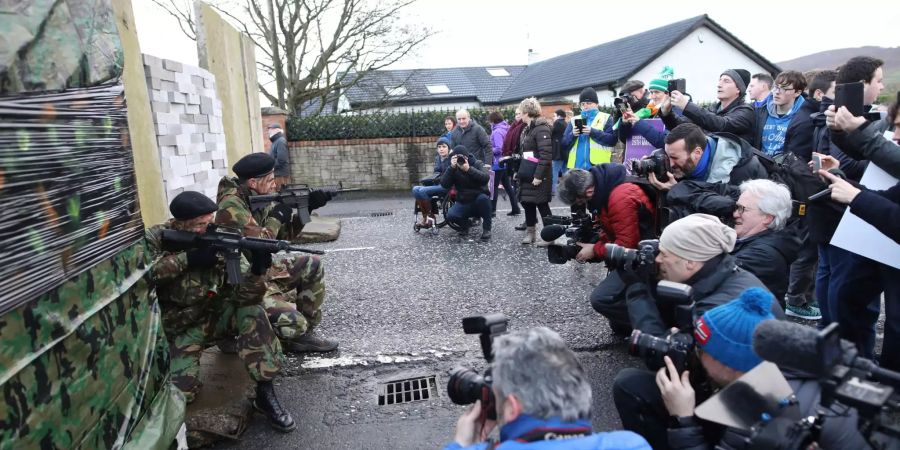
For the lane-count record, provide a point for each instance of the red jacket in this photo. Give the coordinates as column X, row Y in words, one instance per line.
column 619, row 222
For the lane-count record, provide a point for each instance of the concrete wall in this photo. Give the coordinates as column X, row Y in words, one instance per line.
column 189, row 132
column 154, row 207
column 376, row 164
column 229, row 56
column 700, row 58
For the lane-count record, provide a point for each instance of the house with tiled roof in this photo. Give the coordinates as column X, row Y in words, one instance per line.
column 697, row 49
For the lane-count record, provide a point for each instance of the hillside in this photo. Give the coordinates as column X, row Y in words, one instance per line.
column 834, row 58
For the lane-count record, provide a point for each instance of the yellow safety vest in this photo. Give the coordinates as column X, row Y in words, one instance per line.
column 598, row 153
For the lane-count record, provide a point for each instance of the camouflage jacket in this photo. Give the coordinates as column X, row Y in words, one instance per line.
column 234, row 211
column 188, row 296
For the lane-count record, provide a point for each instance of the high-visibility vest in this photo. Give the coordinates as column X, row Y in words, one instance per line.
column 598, row 153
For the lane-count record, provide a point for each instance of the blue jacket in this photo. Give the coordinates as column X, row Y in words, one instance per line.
column 792, row 132
column 614, row 440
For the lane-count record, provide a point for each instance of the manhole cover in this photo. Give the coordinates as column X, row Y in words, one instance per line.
column 381, row 213
column 408, row 390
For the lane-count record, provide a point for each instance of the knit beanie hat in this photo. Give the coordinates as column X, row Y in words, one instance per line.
column 588, row 94
column 659, row 84
column 443, row 140
column 726, row 331
column 698, row 237
column 460, row 150
column 741, row 78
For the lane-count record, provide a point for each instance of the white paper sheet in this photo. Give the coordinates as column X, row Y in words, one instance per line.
column 856, row 235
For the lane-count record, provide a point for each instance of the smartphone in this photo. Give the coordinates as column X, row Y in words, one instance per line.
column 851, row 96
column 579, row 123
column 679, row 84
column 817, row 163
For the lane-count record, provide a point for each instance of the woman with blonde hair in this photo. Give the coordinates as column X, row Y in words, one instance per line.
column 536, row 192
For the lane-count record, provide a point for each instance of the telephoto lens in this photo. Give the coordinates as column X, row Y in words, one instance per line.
column 466, row 386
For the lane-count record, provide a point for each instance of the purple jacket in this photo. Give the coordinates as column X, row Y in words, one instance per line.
column 498, row 134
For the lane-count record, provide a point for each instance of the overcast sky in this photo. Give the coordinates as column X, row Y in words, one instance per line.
column 493, row 32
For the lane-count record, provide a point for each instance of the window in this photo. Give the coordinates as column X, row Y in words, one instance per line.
column 398, row 91
column 438, row 88
column 499, row 72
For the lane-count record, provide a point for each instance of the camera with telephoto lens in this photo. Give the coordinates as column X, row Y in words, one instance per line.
column 677, row 346
column 642, row 258
column 657, row 163
column 578, row 228
column 461, row 159
column 621, row 103
column 465, row 385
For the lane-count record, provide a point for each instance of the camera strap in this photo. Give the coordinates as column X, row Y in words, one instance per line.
column 553, row 434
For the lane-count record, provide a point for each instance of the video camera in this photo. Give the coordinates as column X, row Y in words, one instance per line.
column 678, row 346
column 844, row 377
column 577, row 228
column 465, row 385
column 656, row 163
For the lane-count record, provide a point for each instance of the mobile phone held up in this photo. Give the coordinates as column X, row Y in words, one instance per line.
column 579, row 122
column 851, row 96
column 679, row 85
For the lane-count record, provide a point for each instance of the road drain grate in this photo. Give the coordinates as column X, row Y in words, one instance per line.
column 381, row 213
column 408, row 390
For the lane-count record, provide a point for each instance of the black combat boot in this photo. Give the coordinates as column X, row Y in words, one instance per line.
column 267, row 403
column 309, row 342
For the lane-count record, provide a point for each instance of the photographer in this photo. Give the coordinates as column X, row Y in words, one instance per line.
column 592, row 142
column 694, row 251
column 624, row 214
column 543, row 400
column 660, row 406
column 713, row 158
column 470, row 179
column 729, row 115
column 632, row 123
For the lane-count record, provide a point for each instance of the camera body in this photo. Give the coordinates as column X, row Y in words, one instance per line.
column 621, row 103
column 466, row 386
column 579, row 228
column 677, row 346
column 642, row 258
column 461, row 159
column 657, row 163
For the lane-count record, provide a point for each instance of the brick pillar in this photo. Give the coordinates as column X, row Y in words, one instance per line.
column 272, row 115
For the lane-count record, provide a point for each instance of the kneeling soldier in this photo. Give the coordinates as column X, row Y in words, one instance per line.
column 200, row 309
column 295, row 283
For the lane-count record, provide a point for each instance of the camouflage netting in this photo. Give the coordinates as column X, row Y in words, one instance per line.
column 48, row 45
column 67, row 189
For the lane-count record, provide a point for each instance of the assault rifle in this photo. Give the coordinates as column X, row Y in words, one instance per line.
column 229, row 243
column 297, row 197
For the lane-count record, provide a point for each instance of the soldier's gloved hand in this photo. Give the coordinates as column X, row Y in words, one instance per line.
column 260, row 262
column 282, row 212
column 202, row 258
column 318, row 199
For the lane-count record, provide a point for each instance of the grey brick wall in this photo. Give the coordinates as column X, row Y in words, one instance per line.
column 375, row 164
column 188, row 120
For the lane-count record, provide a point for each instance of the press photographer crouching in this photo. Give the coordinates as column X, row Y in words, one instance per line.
column 625, row 215
column 694, row 251
column 542, row 400
column 470, row 179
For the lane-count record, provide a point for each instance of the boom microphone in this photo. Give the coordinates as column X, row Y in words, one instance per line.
column 552, row 232
column 788, row 345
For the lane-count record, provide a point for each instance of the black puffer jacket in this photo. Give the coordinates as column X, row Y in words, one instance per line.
column 537, row 139
column 468, row 184
column 718, row 282
column 769, row 256
column 738, row 118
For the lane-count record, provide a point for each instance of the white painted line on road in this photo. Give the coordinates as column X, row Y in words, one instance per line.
column 332, row 250
column 552, row 207
column 316, row 362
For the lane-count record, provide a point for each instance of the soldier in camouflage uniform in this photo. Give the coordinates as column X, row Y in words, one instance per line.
column 199, row 308
column 295, row 282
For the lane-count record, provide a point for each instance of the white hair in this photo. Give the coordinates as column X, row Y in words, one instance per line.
column 538, row 368
column 773, row 199
column 463, row 111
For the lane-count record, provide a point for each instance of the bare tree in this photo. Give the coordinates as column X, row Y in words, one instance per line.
column 314, row 49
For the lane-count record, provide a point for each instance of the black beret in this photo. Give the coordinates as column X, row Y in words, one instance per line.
column 189, row 204
column 253, row 165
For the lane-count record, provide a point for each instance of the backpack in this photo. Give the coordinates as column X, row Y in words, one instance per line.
column 650, row 225
column 793, row 172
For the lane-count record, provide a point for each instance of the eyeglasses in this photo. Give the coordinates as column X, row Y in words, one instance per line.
column 741, row 209
column 782, row 90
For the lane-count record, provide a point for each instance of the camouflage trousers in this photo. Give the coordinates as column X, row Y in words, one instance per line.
column 295, row 290
column 257, row 346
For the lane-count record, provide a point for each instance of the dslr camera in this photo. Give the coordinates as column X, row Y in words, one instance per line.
column 465, row 385
column 657, row 163
column 642, row 258
column 622, row 103
column 461, row 159
column 678, row 346
column 578, row 228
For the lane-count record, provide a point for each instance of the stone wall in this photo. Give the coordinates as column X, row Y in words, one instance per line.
column 374, row 164
column 188, row 125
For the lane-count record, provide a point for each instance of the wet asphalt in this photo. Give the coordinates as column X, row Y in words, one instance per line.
column 395, row 302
